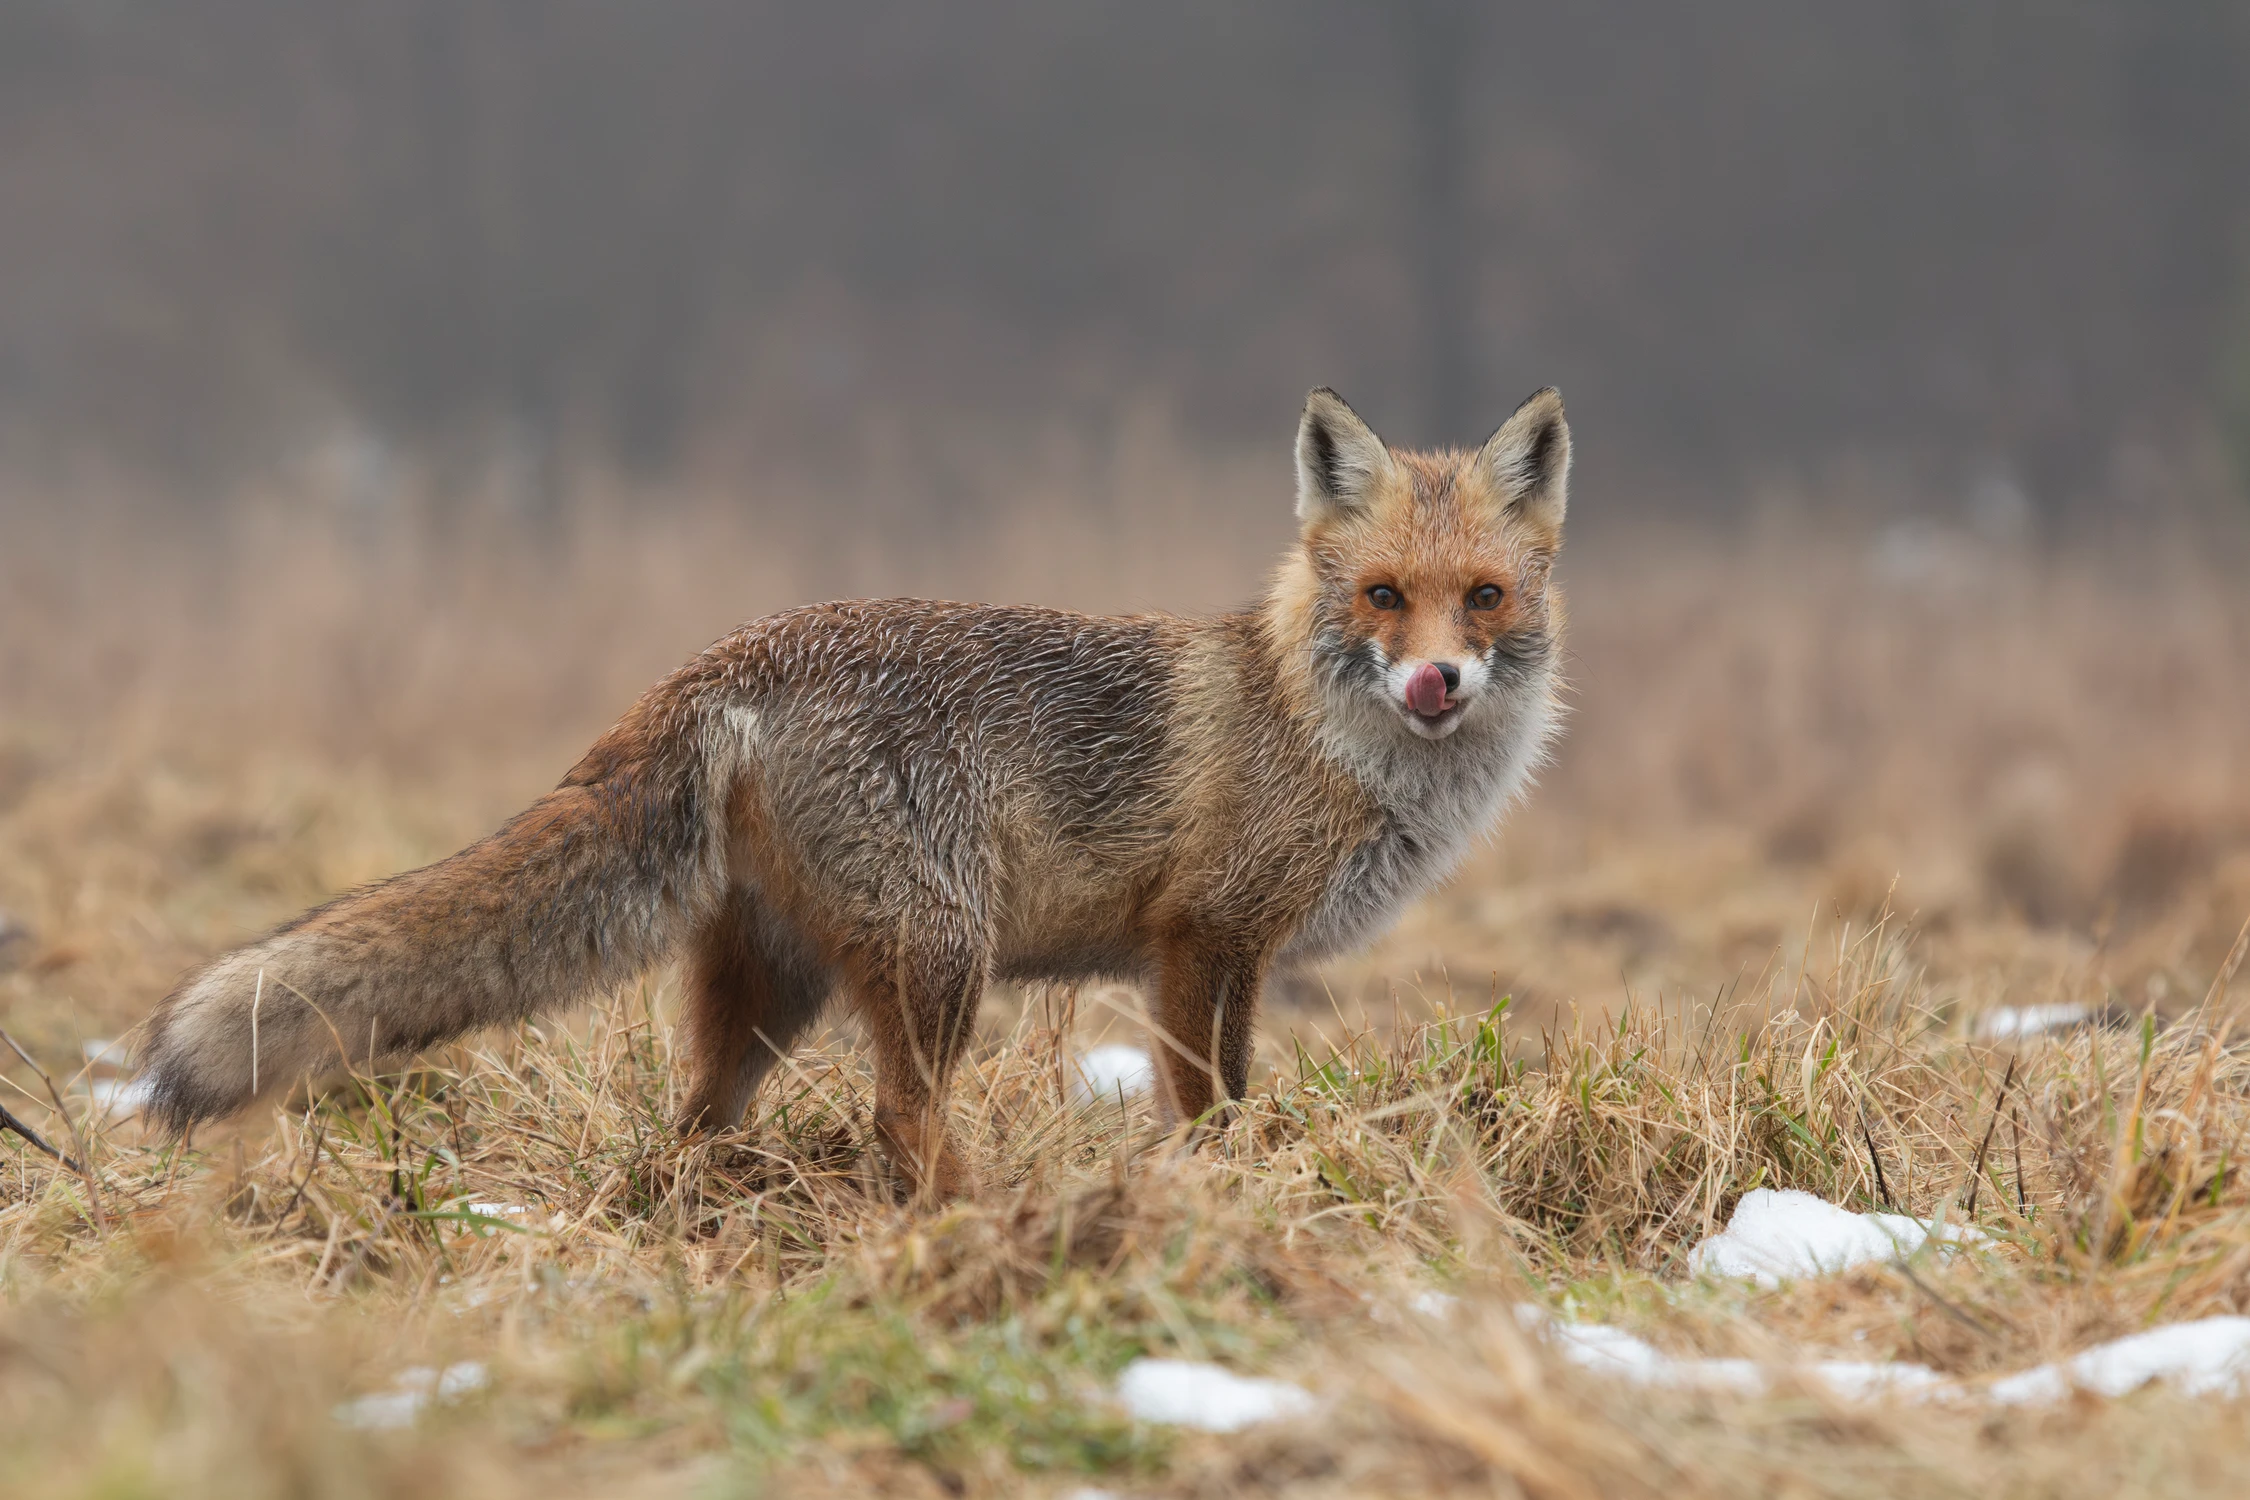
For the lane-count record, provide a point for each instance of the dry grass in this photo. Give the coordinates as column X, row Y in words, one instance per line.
column 1807, row 827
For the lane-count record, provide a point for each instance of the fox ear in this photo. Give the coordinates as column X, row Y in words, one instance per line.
column 1339, row 459
column 1529, row 460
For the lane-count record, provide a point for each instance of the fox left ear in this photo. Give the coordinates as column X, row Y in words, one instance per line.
column 1529, row 460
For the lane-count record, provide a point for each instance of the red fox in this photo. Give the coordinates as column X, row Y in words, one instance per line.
column 903, row 800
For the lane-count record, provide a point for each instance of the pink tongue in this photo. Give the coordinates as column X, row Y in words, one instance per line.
column 1425, row 691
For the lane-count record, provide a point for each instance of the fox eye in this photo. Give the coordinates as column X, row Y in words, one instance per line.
column 1383, row 596
column 1485, row 596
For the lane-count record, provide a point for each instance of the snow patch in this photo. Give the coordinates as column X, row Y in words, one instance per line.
column 1781, row 1234
column 100, row 1050
column 386, row 1412
column 2013, row 1022
column 1190, row 1393
column 2208, row 1357
column 1110, row 1072
column 116, row 1096
column 1613, row 1352
column 1865, row 1380
column 410, row 1395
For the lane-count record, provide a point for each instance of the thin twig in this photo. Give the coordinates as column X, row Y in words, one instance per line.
column 362, row 1250
column 1947, row 1305
column 85, row 1163
column 1881, row 1187
column 1976, row 1173
column 10, row 1122
column 257, row 996
column 319, row 1136
column 2015, row 1126
column 27, row 1062
column 2233, row 962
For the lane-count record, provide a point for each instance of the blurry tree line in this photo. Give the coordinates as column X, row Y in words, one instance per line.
column 1738, row 234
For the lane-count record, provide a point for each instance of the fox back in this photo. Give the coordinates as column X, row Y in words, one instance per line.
column 900, row 800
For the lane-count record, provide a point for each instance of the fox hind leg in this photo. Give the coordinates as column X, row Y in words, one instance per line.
column 750, row 995
column 920, row 1005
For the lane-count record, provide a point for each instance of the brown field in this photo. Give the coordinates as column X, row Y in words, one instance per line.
column 1828, row 795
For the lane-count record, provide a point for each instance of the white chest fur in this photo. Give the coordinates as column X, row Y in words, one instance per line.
column 1437, row 799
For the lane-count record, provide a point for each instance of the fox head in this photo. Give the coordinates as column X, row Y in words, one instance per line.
column 1421, row 581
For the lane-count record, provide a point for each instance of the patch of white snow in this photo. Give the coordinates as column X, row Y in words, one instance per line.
column 1614, row 1352
column 1781, row 1234
column 1865, row 1380
column 1434, row 1304
column 387, row 1411
column 2014, row 1022
column 458, row 1380
column 1110, row 1072
column 410, row 1394
column 2210, row 1356
column 119, row 1096
column 1189, row 1393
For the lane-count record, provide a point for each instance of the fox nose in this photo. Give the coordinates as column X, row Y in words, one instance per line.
column 1426, row 690
column 1451, row 674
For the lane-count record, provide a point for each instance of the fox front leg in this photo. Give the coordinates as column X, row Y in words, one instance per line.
column 1207, row 998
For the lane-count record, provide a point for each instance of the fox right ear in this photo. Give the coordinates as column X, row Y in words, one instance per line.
column 1339, row 459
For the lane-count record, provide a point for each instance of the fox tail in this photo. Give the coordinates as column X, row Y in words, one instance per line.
column 590, row 885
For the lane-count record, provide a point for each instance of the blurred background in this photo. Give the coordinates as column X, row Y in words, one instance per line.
column 515, row 243
column 389, row 392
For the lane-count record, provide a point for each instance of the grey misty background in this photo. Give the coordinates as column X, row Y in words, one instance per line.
column 1758, row 244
